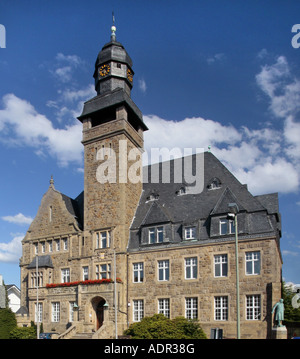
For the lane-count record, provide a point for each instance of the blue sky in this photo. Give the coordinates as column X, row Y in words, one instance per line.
column 218, row 73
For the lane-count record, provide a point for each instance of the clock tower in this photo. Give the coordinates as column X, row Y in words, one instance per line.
column 113, row 144
column 113, row 141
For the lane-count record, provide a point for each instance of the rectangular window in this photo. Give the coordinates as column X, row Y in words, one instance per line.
column 189, row 233
column 138, row 310
column 164, row 307
column 57, row 244
column 253, row 307
column 65, row 244
column 65, row 275
column 226, row 226
column 39, row 315
column 151, row 235
column 252, row 263
column 191, row 308
column 55, row 312
column 191, row 268
column 103, row 271
column 36, row 248
column 163, row 270
column 43, row 247
column 221, row 308
column 103, row 239
column 50, row 246
column 155, row 235
column 138, row 272
column 71, row 311
column 221, row 266
column 85, row 273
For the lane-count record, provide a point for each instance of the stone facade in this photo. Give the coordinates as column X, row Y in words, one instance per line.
column 124, row 249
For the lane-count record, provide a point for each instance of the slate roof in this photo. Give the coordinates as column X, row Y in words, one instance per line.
column 43, row 261
column 75, row 207
column 169, row 206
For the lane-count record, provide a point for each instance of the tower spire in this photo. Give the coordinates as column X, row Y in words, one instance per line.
column 113, row 29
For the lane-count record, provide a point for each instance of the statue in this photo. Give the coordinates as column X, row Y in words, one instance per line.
column 279, row 313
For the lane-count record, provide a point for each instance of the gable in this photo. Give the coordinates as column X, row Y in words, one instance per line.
column 155, row 215
column 56, row 215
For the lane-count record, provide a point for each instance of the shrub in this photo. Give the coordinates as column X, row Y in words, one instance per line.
column 160, row 327
column 23, row 333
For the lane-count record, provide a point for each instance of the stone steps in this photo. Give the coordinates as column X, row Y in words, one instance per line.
column 83, row 336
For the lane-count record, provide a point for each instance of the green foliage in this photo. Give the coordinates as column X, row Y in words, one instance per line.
column 160, row 327
column 290, row 313
column 7, row 322
column 23, row 333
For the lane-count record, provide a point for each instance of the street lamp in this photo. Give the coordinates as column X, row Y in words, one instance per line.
column 232, row 215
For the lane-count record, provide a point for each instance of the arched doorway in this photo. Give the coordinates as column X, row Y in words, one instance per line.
column 98, row 305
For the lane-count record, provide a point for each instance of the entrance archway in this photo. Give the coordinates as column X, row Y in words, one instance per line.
column 98, row 305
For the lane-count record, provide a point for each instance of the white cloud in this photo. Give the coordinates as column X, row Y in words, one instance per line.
column 254, row 156
column 188, row 133
column 11, row 251
column 142, row 85
column 32, row 129
column 216, row 58
column 283, row 90
column 18, row 219
column 65, row 64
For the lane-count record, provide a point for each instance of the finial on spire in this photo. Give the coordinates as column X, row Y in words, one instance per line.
column 113, row 28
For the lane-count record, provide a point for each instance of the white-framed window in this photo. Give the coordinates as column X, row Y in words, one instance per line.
column 191, row 308
column 252, row 260
column 163, row 270
column 57, row 241
column 65, row 244
column 253, row 309
column 138, row 310
column 221, row 308
column 156, row 235
column 226, row 226
column 164, row 307
column 221, row 265
column 65, row 275
column 103, row 239
column 189, row 233
column 39, row 280
column 50, row 244
column 85, row 273
column 103, row 271
column 71, row 311
column 38, row 316
column 55, row 314
column 36, row 248
column 43, row 244
column 138, row 272
column 191, row 268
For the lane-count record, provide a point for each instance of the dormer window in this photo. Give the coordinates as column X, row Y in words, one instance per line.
column 155, row 235
column 226, row 226
column 215, row 183
column 153, row 197
column 189, row 233
column 181, row 191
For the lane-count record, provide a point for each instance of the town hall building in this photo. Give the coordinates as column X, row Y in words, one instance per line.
column 135, row 242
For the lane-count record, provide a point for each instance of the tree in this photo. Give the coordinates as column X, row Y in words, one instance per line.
column 160, row 327
column 7, row 322
column 290, row 313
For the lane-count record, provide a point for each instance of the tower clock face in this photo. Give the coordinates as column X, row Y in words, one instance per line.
column 129, row 75
column 104, row 70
